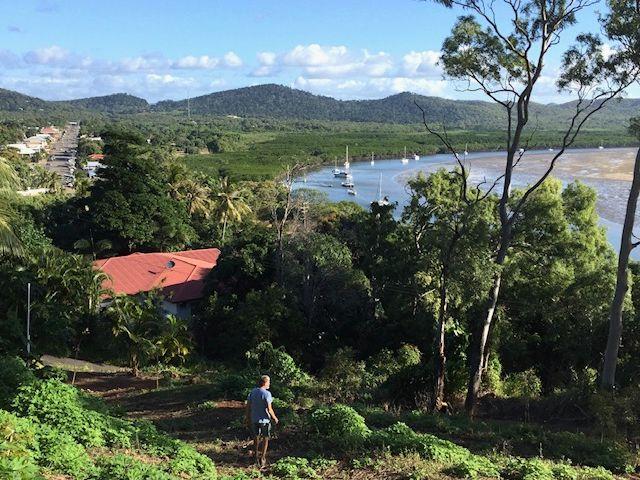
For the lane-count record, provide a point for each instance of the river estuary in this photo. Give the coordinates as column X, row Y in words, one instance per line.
column 608, row 171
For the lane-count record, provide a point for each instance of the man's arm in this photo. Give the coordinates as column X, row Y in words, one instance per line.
column 272, row 414
column 247, row 413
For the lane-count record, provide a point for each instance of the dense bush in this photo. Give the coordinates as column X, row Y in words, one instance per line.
column 400, row 438
column 13, row 373
column 62, row 407
column 339, row 426
column 474, row 467
column 18, row 448
column 59, row 426
column 529, row 469
column 586, row 451
column 61, row 453
column 265, row 359
column 294, row 468
column 123, row 467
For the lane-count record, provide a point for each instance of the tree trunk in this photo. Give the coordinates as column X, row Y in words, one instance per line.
column 440, row 358
column 224, row 227
column 622, row 284
column 478, row 354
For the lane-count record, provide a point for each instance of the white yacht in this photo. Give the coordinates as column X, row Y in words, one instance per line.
column 405, row 160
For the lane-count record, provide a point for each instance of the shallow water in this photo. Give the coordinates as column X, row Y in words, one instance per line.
column 607, row 171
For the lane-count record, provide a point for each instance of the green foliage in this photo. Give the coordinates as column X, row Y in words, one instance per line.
column 528, row 469
column 13, row 374
column 474, row 467
column 594, row 473
column 563, row 471
column 583, row 450
column 60, row 452
column 339, row 426
column 123, row 467
column 187, row 461
column 62, row 407
column 294, row 468
column 130, row 203
column 522, row 384
column 265, row 359
column 399, row 438
column 18, row 448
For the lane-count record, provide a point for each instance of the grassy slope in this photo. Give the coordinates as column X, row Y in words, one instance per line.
column 211, row 421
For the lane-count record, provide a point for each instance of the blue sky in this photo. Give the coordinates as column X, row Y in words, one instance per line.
column 60, row 49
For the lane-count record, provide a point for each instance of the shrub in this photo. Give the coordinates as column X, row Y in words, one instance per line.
column 563, row 471
column 474, row 467
column 293, row 468
column 586, row 451
column 597, row 473
column 346, row 375
column 400, row 438
column 17, row 446
column 61, row 407
column 13, row 374
column 60, row 453
column 340, row 426
column 154, row 442
column 122, row 467
column 522, row 384
column 196, row 465
column 278, row 364
column 528, row 469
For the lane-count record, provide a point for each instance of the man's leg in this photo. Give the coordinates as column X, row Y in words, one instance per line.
column 265, row 446
column 256, row 445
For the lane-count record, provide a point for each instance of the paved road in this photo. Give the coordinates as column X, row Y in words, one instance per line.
column 62, row 157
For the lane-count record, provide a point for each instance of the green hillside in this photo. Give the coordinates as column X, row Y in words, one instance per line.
column 284, row 103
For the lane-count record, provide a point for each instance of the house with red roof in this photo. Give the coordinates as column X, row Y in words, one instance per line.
column 178, row 276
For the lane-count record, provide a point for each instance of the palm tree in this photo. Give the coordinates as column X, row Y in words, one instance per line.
column 195, row 195
column 230, row 204
column 9, row 242
column 174, row 341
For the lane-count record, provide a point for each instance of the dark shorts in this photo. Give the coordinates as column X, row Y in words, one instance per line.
column 261, row 429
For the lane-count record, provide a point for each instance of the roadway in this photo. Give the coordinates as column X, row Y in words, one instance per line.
column 62, row 156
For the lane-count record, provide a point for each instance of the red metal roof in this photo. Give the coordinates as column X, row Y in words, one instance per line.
column 180, row 276
column 96, row 156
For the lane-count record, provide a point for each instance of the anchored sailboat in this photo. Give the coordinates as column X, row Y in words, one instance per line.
column 405, row 160
column 373, row 162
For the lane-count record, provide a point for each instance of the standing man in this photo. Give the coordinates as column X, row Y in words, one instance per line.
column 259, row 414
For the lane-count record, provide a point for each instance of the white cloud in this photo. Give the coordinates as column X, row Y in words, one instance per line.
column 168, row 79
column 324, row 62
column 192, row 62
column 47, row 56
column 371, row 87
column 315, row 55
column 231, row 59
column 419, row 64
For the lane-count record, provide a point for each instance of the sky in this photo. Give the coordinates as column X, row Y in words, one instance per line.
column 174, row 49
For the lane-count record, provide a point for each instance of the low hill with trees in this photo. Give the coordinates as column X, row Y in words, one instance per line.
column 283, row 103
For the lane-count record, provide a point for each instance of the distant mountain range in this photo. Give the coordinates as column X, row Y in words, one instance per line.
column 279, row 102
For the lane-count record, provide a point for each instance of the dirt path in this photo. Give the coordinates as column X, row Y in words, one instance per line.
column 74, row 365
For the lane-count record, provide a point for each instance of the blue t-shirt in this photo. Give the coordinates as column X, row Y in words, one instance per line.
column 259, row 400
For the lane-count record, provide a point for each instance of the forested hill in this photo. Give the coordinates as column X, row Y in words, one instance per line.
column 115, row 103
column 279, row 102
